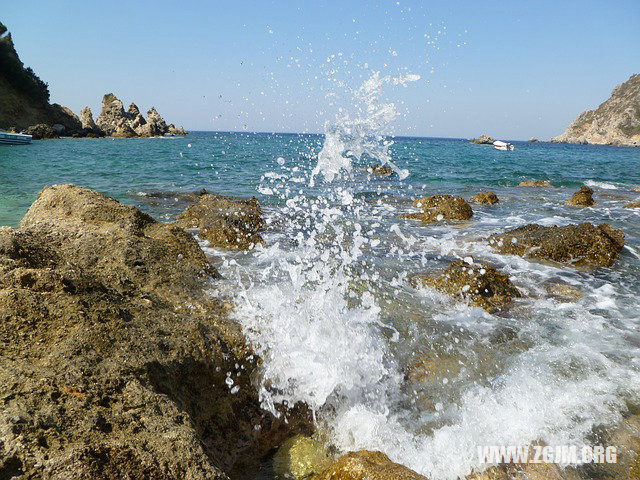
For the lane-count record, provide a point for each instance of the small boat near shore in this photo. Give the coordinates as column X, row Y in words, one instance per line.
column 7, row 138
column 500, row 145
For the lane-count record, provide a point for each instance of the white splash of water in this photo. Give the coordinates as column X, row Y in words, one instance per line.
column 366, row 133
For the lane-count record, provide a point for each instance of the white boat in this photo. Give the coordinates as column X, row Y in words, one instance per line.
column 500, row 145
column 7, row 138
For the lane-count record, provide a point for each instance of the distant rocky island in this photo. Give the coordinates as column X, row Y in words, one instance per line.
column 24, row 106
column 615, row 122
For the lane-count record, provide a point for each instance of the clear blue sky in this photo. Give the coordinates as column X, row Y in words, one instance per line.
column 509, row 68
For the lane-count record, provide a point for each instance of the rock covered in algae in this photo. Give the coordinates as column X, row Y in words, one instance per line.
column 632, row 205
column 582, row 198
column 535, row 183
column 380, row 170
column 225, row 222
column 300, row 457
column 116, row 363
column 441, row 208
column 489, row 198
column 583, row 244
column 478, row 283
column 367, row 465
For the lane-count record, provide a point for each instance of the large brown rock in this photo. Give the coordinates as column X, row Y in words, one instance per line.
column 480, row 284
column 366, row 465
column 583, row 244
column 114, row 362
column 439, row 208
column 225, row 222
column 582, row 198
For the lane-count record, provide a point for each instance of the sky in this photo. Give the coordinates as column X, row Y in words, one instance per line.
column 512, row 69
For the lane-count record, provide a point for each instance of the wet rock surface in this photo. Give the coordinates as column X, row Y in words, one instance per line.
column 225, row 222
column 583, row 244
column 632, row 205
column 300, row 457
column 438, row 208
column 480, row 284
column 366, row 465
column 582, row 198
column 535, row 183
column 114, row 363
column 380, row 170
column 488, row 198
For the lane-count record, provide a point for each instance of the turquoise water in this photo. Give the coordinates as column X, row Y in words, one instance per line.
column 328, row 304
column 232, row 163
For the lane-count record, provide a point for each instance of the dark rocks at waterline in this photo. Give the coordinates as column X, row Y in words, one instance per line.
column 488, row 198
column 441, row 208
column 578, row 245
column 480, row 284
column 225, row 222
column 380, row 170
column 482, row 140
column 582, row 198
column 115, row 362
column 41, row 131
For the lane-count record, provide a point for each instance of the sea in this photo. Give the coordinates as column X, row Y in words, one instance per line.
column 327, row 300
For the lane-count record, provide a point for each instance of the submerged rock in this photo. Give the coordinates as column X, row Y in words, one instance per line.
column 489, row 198
column 479, row 283
column 583, row 244
column 41, row 131
column 632, row 205
column 535, row 183
column 380, row 170
column 225, row 222
column 482, row 140
column 562, row 291
column 438, row 208
column 300, row 457
column 582, row 198
column 115, row 361
column 636, row 189
column 366, row 465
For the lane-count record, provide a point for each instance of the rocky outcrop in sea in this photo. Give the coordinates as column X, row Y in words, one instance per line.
column 614, row 122
column 114, row 121
column 24, row 106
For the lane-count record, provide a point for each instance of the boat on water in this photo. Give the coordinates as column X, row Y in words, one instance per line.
column 500, row 145
column 7, row 138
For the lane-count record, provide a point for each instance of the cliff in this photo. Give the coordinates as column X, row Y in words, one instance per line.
column 24, row 98
column 615, row 122
column 24, row 105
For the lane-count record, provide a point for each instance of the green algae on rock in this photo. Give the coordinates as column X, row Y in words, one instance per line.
column 300, row 457
column 583, row 244
column 479, row 283
column 225, row 222
column 439, row 208
column 367, row 465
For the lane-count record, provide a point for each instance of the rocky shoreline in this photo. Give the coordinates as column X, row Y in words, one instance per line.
column 25, row 107
column 116, row 363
